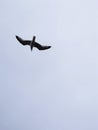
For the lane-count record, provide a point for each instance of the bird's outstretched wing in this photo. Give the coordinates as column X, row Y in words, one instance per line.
column 30, row 43
column 23, row 42
column 41, row 47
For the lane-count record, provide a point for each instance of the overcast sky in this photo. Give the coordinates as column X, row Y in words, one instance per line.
column 55, row 89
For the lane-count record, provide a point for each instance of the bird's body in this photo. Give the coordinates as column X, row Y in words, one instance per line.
column 32, row 43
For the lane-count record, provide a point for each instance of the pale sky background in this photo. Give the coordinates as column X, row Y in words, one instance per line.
column 56, row 89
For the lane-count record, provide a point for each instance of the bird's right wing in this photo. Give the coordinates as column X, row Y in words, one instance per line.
column 41, row 47
column 23, row 42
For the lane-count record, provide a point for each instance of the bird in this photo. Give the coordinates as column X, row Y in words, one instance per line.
column 32, row 43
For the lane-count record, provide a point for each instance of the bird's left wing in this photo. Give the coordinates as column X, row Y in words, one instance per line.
column 23, row 42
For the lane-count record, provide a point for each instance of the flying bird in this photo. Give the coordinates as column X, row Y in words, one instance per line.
column 32, row 43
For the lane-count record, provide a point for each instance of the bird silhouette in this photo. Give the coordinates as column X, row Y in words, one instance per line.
column 32, row 43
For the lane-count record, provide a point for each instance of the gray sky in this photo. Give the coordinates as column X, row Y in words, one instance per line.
column 54, row 89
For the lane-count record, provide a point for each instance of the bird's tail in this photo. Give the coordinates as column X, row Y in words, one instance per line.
column 31, row 45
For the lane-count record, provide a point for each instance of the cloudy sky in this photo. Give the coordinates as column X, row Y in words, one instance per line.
column 56, row 89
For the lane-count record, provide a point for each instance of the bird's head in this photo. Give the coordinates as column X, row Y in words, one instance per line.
column 34, row 37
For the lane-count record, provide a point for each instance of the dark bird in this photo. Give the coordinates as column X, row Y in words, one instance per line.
column 32, row 43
